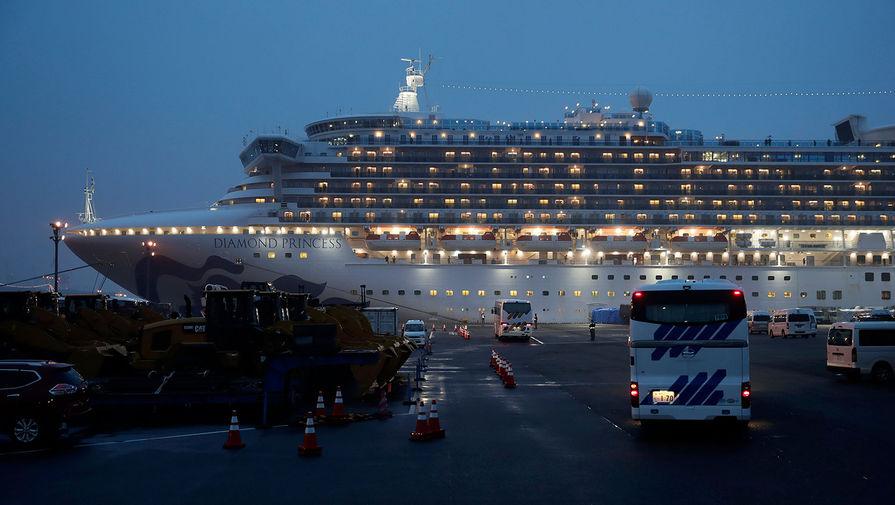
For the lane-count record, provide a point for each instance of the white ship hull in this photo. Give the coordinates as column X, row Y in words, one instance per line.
column 183, row 264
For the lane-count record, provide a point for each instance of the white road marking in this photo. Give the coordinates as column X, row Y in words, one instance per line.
column 536, row 340
column 137, row 440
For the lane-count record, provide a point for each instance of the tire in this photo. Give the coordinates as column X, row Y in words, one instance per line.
column 881, row 373
column 26, row 430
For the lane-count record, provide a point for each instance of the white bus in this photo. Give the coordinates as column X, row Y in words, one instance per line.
column 512, row 319
column 862, row 347
column 689, row 351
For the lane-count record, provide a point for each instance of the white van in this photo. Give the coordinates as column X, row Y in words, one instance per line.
column 862, row 347
column 793, row 323
column 512, row 319
column 415, row 331
column 758, row 321
column 689, row 352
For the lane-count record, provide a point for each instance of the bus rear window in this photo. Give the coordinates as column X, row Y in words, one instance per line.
column 761, row 317
column 798, row 318
column 688, row 307
column 839, row 336
column 517, row 307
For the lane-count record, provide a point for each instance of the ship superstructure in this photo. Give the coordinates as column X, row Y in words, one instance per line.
column 446, row 214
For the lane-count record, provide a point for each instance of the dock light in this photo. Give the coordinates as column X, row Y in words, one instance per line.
column 57, row 227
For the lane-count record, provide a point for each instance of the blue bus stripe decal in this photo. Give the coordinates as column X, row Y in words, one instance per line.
column 726, row 330
column 707, row 331
column 714, row 398
column 660, row 332
column 691, row 389
column 708, row 387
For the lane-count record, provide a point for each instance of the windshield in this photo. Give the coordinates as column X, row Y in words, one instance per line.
column 518, row 308
column 761, row 317
column 688, row 307
column 798, row 317
column 414, row 327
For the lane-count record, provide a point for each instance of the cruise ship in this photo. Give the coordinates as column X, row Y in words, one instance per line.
column 442, row 216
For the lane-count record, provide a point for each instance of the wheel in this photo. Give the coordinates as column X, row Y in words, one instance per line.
column 881, row 373
column 26, row 430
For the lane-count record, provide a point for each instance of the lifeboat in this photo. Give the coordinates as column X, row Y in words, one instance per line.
column 620, row 243
column 544, row 242
column 460, row 242
column 393, row 241
column 718, row 243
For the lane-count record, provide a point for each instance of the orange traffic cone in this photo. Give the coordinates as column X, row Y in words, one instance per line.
column 339, row 406
column 509, row 380
column 493, row 361
column 434, row 425
column 501, row 367
column 320, row 409
column 309, row 445
column 421, row 432
column 234, row 441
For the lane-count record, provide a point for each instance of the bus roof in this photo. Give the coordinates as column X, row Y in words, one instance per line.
column 677, row 285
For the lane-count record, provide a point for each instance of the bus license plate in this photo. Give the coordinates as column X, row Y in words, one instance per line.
column 660, row 397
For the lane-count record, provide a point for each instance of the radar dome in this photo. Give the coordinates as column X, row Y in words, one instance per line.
column 640, row 98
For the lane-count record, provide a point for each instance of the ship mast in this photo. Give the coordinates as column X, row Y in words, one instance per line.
column 408, row 96
column 89, row 215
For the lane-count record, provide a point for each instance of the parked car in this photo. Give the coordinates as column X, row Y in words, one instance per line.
column 758, row 321
column 40, row 400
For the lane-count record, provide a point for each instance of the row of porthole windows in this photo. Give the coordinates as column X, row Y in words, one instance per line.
column 272, row 255
column 819, row 295
column 497, row 292
column 868, row 276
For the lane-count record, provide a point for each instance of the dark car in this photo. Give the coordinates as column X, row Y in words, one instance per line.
column 40, row 400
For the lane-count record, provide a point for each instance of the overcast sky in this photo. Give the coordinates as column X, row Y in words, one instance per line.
column 155, row 97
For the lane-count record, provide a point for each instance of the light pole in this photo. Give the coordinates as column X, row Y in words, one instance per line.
column 149, row 249
column 57, row 227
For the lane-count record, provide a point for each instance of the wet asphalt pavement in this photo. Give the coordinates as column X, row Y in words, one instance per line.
column 564, row 435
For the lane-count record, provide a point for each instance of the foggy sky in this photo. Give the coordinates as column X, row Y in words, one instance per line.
column 155, row 97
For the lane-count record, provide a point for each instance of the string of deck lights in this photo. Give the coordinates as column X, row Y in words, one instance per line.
column 763, row 94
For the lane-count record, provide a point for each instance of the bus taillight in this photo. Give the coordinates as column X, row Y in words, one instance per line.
column 746, row 395
column 635, row 395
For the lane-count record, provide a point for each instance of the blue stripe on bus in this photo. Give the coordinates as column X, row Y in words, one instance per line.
column 660, row 332
column 714, row 398
column 708, row 387
column 691, row 389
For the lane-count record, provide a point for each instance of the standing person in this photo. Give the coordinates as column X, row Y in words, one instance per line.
column 483, row 317
column 593, row 331
column 536, row 321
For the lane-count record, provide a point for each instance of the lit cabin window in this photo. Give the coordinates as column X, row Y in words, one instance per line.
column 513, row 292
column 303, row 255
column 433, row 292
column 259, row 200
column 271, row 255
column 529, row 293
column 448, row 292
column 465, row 292
column 481, row 292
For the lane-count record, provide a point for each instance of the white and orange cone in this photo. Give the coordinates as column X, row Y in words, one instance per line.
column 421, row 432
column 234, row 441
column 320, row 409
column 339, row 406
column 434, row 425
column 309, row 445
column 509, row 380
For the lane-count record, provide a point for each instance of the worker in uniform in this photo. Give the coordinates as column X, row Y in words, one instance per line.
column 593, row 331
